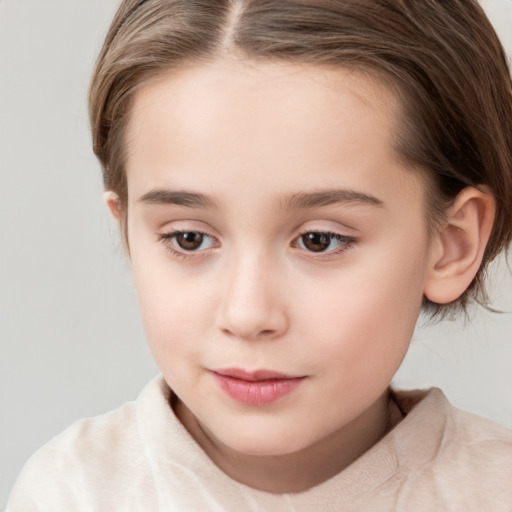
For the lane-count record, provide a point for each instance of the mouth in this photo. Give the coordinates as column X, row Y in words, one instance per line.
column 256, row 388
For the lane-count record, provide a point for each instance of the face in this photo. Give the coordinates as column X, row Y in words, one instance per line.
column 279, row 248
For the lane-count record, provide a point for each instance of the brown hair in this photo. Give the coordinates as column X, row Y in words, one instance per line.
column 442, row 57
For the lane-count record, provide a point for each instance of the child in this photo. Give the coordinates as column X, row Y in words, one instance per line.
column 294, row 181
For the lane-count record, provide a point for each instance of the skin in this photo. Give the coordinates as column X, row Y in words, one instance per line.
column 251, row 138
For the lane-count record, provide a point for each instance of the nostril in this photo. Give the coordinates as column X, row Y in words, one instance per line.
column 265, row 333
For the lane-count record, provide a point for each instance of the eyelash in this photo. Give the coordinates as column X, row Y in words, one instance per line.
column 347, row 242
column 169, row 238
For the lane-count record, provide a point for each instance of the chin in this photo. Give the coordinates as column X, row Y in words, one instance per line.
column 263, row 444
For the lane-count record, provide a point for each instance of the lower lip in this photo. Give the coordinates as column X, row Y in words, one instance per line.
column 259, row 392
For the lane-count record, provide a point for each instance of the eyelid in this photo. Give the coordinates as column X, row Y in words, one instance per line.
column 348, row 243
column 168, row 238
column 328, row 224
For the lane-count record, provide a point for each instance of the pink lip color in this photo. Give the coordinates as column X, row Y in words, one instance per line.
column 258, row 388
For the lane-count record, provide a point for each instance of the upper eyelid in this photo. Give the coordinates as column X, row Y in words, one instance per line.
column 327, row 231
column 333, row 234
column 173, row 233
column 327, row 225
column 170, row 231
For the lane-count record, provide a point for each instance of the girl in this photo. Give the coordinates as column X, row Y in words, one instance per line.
column 294, row 181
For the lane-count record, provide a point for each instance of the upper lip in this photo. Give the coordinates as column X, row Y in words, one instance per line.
column 253, row 376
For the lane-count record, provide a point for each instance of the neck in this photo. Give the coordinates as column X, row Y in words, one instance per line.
column 298, row 471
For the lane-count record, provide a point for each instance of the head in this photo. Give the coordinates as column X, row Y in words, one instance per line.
column 443, row 60
column 306, row 174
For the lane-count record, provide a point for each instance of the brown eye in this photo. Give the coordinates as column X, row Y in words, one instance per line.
column 324, row 242
column 189, row 241
column 316, row 242
column 187, row 244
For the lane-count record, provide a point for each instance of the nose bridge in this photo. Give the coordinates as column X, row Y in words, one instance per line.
column 252, row 306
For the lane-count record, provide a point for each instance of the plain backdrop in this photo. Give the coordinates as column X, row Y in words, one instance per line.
column 72, row 344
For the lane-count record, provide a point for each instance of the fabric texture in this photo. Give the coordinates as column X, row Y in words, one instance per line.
column 140, row 457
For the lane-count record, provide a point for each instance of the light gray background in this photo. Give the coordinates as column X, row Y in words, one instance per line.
column 71, row 340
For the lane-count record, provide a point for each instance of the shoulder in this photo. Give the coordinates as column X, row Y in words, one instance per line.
column 91, row 458
column 455, row 457
column 482, row 450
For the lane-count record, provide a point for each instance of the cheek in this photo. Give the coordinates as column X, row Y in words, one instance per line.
column 368, row 314
column 174, row 309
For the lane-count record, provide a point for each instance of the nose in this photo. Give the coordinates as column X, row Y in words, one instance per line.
column 252, row 305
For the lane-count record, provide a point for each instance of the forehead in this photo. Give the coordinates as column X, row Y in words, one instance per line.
column 248, row 122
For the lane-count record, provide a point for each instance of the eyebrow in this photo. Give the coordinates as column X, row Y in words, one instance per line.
column 300, row 200
column 328, row 198
column 178, row 198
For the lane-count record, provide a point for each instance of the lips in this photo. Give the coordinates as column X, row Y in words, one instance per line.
column 255, row 388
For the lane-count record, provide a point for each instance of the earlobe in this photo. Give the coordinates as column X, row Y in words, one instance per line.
column 459, row 245
column 113, row 204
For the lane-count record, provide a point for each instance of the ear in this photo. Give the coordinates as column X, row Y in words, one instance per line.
column 459, row 245
column 112, row 202
column 116, row 209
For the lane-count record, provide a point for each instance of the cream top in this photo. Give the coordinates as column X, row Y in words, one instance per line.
column 140, row 457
